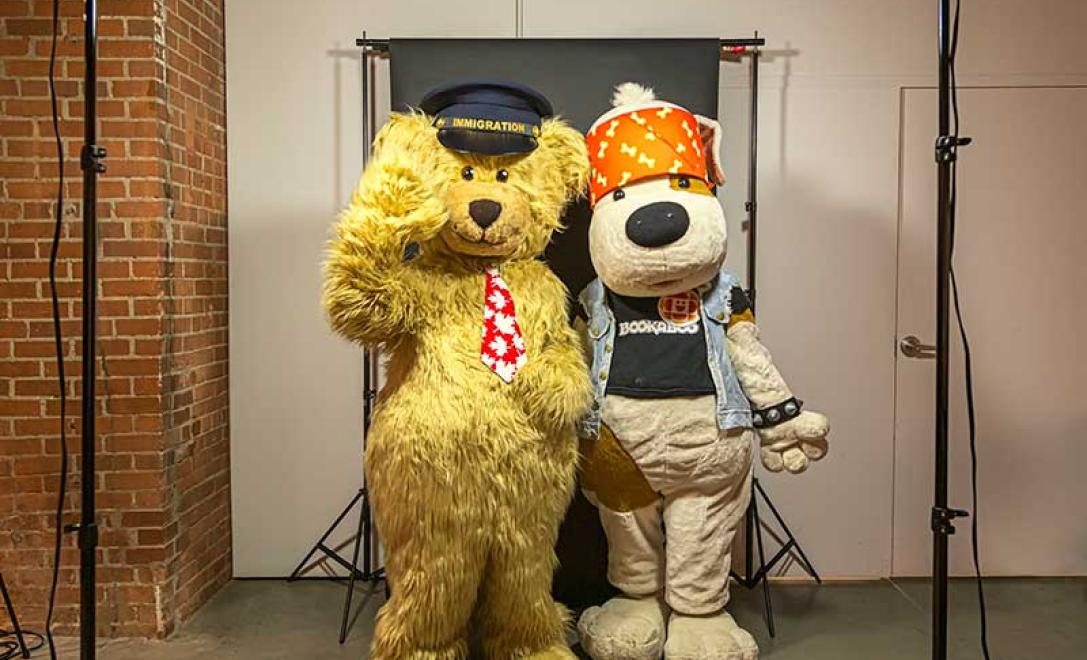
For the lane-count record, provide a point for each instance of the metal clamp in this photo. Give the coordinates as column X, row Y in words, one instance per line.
column 947, row 146
column 91, row 158
column 943, row 519
column 86, row 534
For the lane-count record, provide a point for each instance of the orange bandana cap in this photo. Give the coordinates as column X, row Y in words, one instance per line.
column 642, row 139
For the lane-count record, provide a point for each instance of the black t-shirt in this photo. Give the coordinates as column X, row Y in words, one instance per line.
column 660, row 347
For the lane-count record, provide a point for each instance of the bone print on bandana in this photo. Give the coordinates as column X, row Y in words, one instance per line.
column 503, row 346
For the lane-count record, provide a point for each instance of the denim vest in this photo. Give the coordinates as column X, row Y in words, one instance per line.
column 733, row 409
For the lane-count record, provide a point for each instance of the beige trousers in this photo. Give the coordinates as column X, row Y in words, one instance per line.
column 682, row 543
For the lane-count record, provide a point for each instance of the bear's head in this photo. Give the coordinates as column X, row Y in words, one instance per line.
column 499, row 207
column 657, row 228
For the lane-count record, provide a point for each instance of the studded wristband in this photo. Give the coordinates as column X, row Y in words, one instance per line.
column 765, row 418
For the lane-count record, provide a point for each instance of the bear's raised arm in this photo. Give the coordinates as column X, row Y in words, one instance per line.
column 371, row 292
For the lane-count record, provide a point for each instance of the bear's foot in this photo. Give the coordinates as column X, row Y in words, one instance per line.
column 709, row 637
column 556, row 652
column 624, row 628
column 456, row 651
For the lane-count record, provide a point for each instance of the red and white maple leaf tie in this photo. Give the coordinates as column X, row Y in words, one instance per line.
column 503, row 347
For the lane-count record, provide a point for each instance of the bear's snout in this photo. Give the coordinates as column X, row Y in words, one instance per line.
column 484, row 212
column 657, row 224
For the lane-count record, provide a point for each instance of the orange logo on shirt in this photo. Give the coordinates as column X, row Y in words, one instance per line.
column 680, row 309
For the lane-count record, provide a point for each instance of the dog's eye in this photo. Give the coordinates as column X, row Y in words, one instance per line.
column 502, row 176
column 618, row 194
column 468, row 173
column 684, row 182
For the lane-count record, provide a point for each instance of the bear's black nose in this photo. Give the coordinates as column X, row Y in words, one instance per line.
column 484, row 211
column 657, row 224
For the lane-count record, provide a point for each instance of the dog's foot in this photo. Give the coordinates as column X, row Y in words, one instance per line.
column 710, row 637
column 624, row 628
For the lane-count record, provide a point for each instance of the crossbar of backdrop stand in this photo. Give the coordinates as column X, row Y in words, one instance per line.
column 732, row 46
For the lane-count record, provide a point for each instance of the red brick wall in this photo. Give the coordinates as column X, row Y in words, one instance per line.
column 163, row 489
column 198, row 486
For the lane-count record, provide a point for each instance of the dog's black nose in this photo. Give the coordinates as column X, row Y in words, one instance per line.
column 484, row 212
column 657, row 224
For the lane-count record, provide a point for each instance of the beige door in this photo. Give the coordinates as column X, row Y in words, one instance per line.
column 1021, row 259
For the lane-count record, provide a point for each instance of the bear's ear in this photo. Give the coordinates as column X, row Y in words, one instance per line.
column 710, row 131
column 405, row 133
column 563, row 150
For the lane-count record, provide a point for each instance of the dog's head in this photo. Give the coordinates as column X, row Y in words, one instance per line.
column 657, row 227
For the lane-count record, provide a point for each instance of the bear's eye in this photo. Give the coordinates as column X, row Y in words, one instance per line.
column 502, row 176
column 684, row 182
column 468, row 173
column 618, row 194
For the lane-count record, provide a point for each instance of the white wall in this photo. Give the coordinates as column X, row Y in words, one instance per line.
column 829, row 133
column 295, row 152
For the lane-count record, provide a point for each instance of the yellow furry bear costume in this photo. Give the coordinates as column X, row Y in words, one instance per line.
column 469, row 475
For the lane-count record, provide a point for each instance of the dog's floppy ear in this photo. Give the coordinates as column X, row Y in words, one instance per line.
column 710, row 132
column 564, row 151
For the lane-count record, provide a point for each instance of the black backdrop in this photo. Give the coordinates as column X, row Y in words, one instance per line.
column 578, row 77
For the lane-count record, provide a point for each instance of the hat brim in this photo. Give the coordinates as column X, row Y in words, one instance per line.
column 485, row 144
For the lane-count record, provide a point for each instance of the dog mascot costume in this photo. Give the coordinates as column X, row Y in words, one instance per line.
column 681, row 386
column 472, row 450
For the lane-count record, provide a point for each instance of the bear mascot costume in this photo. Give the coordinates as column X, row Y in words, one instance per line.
column 472, row 451
column 681, row 385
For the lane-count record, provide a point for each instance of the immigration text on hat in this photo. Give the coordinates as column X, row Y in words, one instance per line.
column 488, row 125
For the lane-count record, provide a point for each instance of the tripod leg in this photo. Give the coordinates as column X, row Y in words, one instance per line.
column 789, row 533
column 364, row 514
column 749, row 530
column 23, row 650
column 762, row 573
column 328, row 532
column 367, row 537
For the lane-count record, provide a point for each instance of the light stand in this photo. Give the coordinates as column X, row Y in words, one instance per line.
column 752, row 520
column 943, row 518
column 90, row 162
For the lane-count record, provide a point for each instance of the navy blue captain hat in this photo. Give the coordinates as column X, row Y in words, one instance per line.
column 485, row 116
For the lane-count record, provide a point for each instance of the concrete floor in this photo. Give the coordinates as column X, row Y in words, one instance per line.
column 1029, row 620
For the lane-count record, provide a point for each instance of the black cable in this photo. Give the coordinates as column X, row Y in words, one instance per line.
column 967, row 360
column 10, row 648
column 58, row 339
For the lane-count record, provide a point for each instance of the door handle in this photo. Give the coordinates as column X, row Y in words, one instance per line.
column 912, row 347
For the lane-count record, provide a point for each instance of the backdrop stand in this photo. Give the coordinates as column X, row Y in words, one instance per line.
column 364, row 536
column 752, row 521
